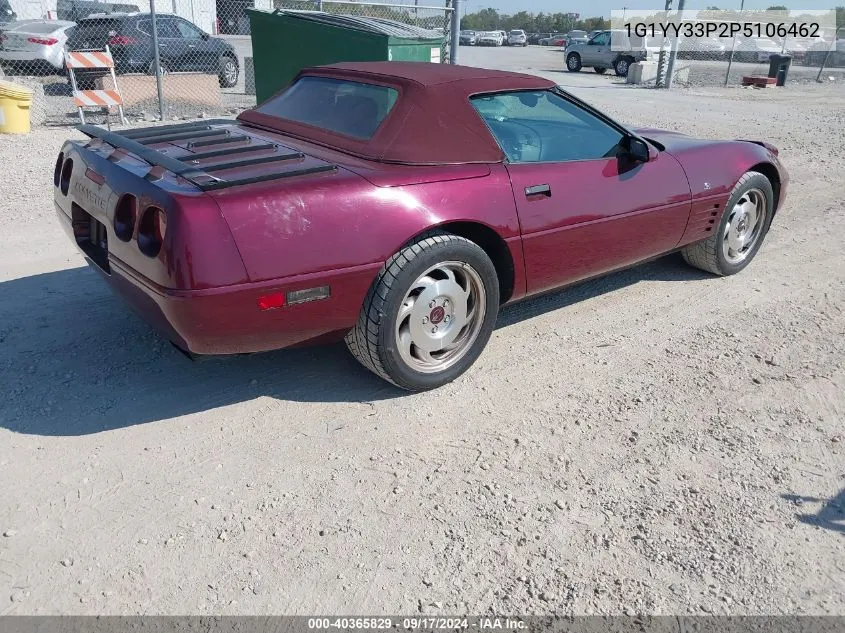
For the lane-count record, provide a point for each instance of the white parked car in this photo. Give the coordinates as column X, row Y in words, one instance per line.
column 34, row 46
column 490, row 38
column 517, row 38
column 757, row 49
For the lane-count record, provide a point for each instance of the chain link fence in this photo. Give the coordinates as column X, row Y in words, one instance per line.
column 195, row 63
column 727, row 62
column 722, row 47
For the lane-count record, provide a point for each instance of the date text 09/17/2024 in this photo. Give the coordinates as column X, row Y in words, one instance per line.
column 485, row 623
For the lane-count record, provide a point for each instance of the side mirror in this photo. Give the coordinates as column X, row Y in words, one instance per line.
column 205, row 36
column 637, row 149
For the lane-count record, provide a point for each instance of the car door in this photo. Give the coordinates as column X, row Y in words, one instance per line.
column 200, row 54
column 173, row 50
column 585, row 207
column 594, row 50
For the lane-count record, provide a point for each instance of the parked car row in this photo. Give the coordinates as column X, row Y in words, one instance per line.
column 518, row 37
column 558, row 39
column 38, row 46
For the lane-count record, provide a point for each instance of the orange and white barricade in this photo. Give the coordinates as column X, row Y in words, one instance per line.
column 79, row 60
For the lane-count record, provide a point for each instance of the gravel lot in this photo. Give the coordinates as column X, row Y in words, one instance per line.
column 658, row 441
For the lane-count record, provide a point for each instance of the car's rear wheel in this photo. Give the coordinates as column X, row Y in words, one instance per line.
column 163, row 68
column 600, row 71
column 621, row 66
column 741, row 231
column 428, row 314
column 228, row 73
column 573, row 62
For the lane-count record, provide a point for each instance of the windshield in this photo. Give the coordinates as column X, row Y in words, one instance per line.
column 94, row 32
column 346, row 107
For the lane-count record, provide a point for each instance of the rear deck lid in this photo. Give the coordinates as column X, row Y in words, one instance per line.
column 213, row 155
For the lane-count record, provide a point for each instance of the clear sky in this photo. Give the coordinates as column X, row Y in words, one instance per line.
column 592, row 8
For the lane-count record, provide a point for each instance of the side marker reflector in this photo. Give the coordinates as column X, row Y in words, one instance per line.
column 293, row 297
column 308, row 294
column 271, row 302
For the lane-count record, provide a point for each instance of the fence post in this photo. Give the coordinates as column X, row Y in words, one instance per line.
column 455, row 34
column 673, row 52
column 733, row 47
column 827, row 54
column 659, row 82
column 156, row 60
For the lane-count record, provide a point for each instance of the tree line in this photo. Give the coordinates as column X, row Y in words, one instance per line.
column 492, row 20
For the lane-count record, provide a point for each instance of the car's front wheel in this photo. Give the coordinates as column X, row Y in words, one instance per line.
column 428, row 314
column 740, row 234
column 573, row 62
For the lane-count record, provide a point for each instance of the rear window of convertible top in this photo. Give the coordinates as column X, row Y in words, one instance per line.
column 346, row 107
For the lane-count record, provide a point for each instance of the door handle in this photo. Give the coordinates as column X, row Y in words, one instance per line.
column 538, row 190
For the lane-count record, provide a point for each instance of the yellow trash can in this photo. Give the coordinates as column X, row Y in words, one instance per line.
column 15, row 102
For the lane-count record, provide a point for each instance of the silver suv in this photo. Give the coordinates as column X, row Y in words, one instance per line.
column 606, row 49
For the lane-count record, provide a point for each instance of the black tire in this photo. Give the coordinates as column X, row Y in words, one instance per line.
column 708, row 255
column 227, row 73
column 151, row 68
column 373, row 340
column 573, row 62
column 621, row 66
column 600, row 71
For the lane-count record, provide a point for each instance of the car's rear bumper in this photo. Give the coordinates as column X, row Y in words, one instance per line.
column 29, row 57
column 228, row 320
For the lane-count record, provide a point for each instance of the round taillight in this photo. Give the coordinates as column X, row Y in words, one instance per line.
column 151, row 231
column 64, row 179
column 125, row 215
column 57, row 172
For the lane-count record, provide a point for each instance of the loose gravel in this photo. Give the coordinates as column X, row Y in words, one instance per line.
column 658, row 441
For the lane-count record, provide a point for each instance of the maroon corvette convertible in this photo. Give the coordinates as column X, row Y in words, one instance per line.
column 398, row 205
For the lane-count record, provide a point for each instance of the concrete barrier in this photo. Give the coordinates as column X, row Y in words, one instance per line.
column 646, row 73
column 642, row 73
column 194, row 88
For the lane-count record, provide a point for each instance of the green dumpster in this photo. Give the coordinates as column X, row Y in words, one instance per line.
column 285, row 42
